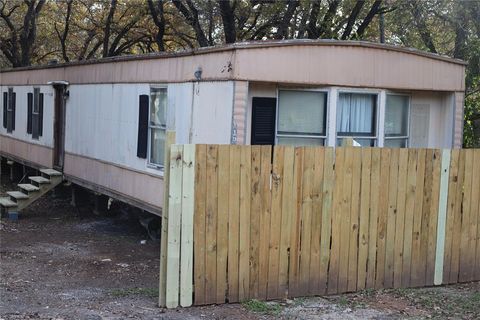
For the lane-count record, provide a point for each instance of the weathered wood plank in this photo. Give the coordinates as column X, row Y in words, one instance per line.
column 223, row 170
column 391, row 220
column 363, row 229
column 475, row 199
column 400, row 217
column 188, row 206
column 211, row 224
column 244, row 244
column 255, row 211
column 465, row 253
column 266, row 198
column 174, row 227
column 200, row 220
column 374, row 212
column 354, row 220
column 409, row 216
column 326, row 230
column 433, row 217
column 233, row 222
column 275, row 223
column 169, row 140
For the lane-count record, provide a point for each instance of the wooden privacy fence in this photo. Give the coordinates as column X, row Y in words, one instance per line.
column 313, row 221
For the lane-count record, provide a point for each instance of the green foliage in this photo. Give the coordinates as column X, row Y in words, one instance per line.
column 258, row 306
column 471, row 131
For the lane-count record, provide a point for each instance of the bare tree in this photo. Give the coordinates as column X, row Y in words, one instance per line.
column 158, row 17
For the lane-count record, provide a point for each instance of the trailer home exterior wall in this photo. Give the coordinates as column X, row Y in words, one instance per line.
column 293, row 92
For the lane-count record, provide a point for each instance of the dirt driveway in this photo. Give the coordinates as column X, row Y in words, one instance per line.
column 59, row 262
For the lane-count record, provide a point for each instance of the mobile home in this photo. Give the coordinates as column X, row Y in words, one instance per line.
column 103, row 123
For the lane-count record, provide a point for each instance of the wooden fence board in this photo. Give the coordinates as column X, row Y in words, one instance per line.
column 275, row 223
column 400, row 218
column 199, row 218
column 373, row 222
column 409, row 217
column 174, row 227
column 256, row 207
column 363, row 229
column 317, row 206
column 433, row 216
column 326, row 230
column 465, row 267
column 336, row 222
column 391, row 220
column 288, row 211
column 244, row 246
column 223, row 169
column 233, row 222
column 266, row 168
column 475, row 198
column 477, row 250
column 211, row 224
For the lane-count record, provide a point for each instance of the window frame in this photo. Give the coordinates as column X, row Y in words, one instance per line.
column 150, row 164
column 376, row 121
column 10, row 115
column 407, row 137
column 326, row 115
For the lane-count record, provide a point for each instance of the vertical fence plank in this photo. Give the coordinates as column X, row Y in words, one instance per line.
column 244, row 246
column 373, row 223
column 336, row 222
column 433, row 217
column 363, row 229
column 317, row 200
column 326, row 231
column 409, row 217
column 266, row 198
column 222, row 221
column 442, row 217
column 174, row 227
column 256, row 207
column 275, row 223
column 188, row 194
column 199, row 218
column 391, row 219
column 293, row 276
column 477, row 200
column 465, row 267
column 416, row 278
column 306, row 221
column 288, row 209
column 354, row 220
column 400, row 217
column 211, row 224
column 452, row 187
column 457, row 221
column 382, row 217
column 233, row 222
column 169, row 140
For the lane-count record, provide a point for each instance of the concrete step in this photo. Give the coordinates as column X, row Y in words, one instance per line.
column 38, row 180
column 47, row 173
column 7, row 203
column 28, row 188
column 17, row 195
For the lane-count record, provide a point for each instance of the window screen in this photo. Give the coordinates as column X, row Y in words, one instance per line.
column 396, row 121
column 157, row 124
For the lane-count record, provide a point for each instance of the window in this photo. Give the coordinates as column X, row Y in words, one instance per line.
column 157, row 125
column 356, row 118
column 396, row 121
column 301, row 117
column 9, row 101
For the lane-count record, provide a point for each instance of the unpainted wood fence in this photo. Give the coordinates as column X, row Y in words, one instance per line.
column 251, row 222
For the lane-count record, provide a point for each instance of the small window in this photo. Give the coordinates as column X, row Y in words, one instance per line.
column 9, row 110
column 396, row 121
column 157, row 125
column 36, row 99
column 301, row 117
column 356, row 118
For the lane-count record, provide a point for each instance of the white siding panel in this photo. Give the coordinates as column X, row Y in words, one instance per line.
column 212, row 112
column 180, row 110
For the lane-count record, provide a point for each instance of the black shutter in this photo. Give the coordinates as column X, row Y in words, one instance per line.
column 29, row 112
column 142, row 141
column 14, row 103
column 263, row 120
column 40, row 115
column 5, row 107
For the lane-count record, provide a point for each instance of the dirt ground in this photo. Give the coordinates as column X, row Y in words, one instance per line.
column 61, row 262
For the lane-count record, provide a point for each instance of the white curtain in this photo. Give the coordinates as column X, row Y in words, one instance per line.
column 355, row 113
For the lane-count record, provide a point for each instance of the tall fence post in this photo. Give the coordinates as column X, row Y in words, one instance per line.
column 442, row 217
column 169, row 140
